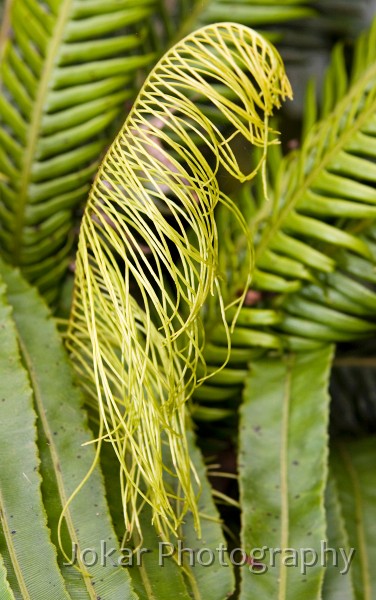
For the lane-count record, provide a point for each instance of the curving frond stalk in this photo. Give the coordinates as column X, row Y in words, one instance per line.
column 66, row 71
column 127, row 333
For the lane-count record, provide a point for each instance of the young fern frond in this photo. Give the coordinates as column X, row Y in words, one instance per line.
column 66, row 71
column 127, row 334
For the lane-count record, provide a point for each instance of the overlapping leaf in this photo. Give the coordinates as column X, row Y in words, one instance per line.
column 282, row 474
column 338, row 583
column 355, row 483
column 23, row 518
column 65, row 464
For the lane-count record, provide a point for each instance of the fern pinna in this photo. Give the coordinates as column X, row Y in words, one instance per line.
column 66, row 70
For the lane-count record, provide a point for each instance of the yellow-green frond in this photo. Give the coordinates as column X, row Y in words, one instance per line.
column 141, row 279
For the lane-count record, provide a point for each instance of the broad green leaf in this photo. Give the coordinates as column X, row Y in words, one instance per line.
column 157, row 576
column 23, row 518
column 76, row 585
column 282, row 474
column 338, row 584
column 5, row 589
column 63, row 430
column 353, row 470
column 211, row 575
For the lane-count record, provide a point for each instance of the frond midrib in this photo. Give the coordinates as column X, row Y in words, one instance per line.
column 277, row 224
column 35, row 126
column 282, row 593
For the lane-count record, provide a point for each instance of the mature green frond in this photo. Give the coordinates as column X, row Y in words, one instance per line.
column 355, row 480
column 326, row 180
column 65, row 464
column 282, row 473
column 127, row 333
column 330, row 179
column 341, row 305
column 310, row 244
column 66, row 71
